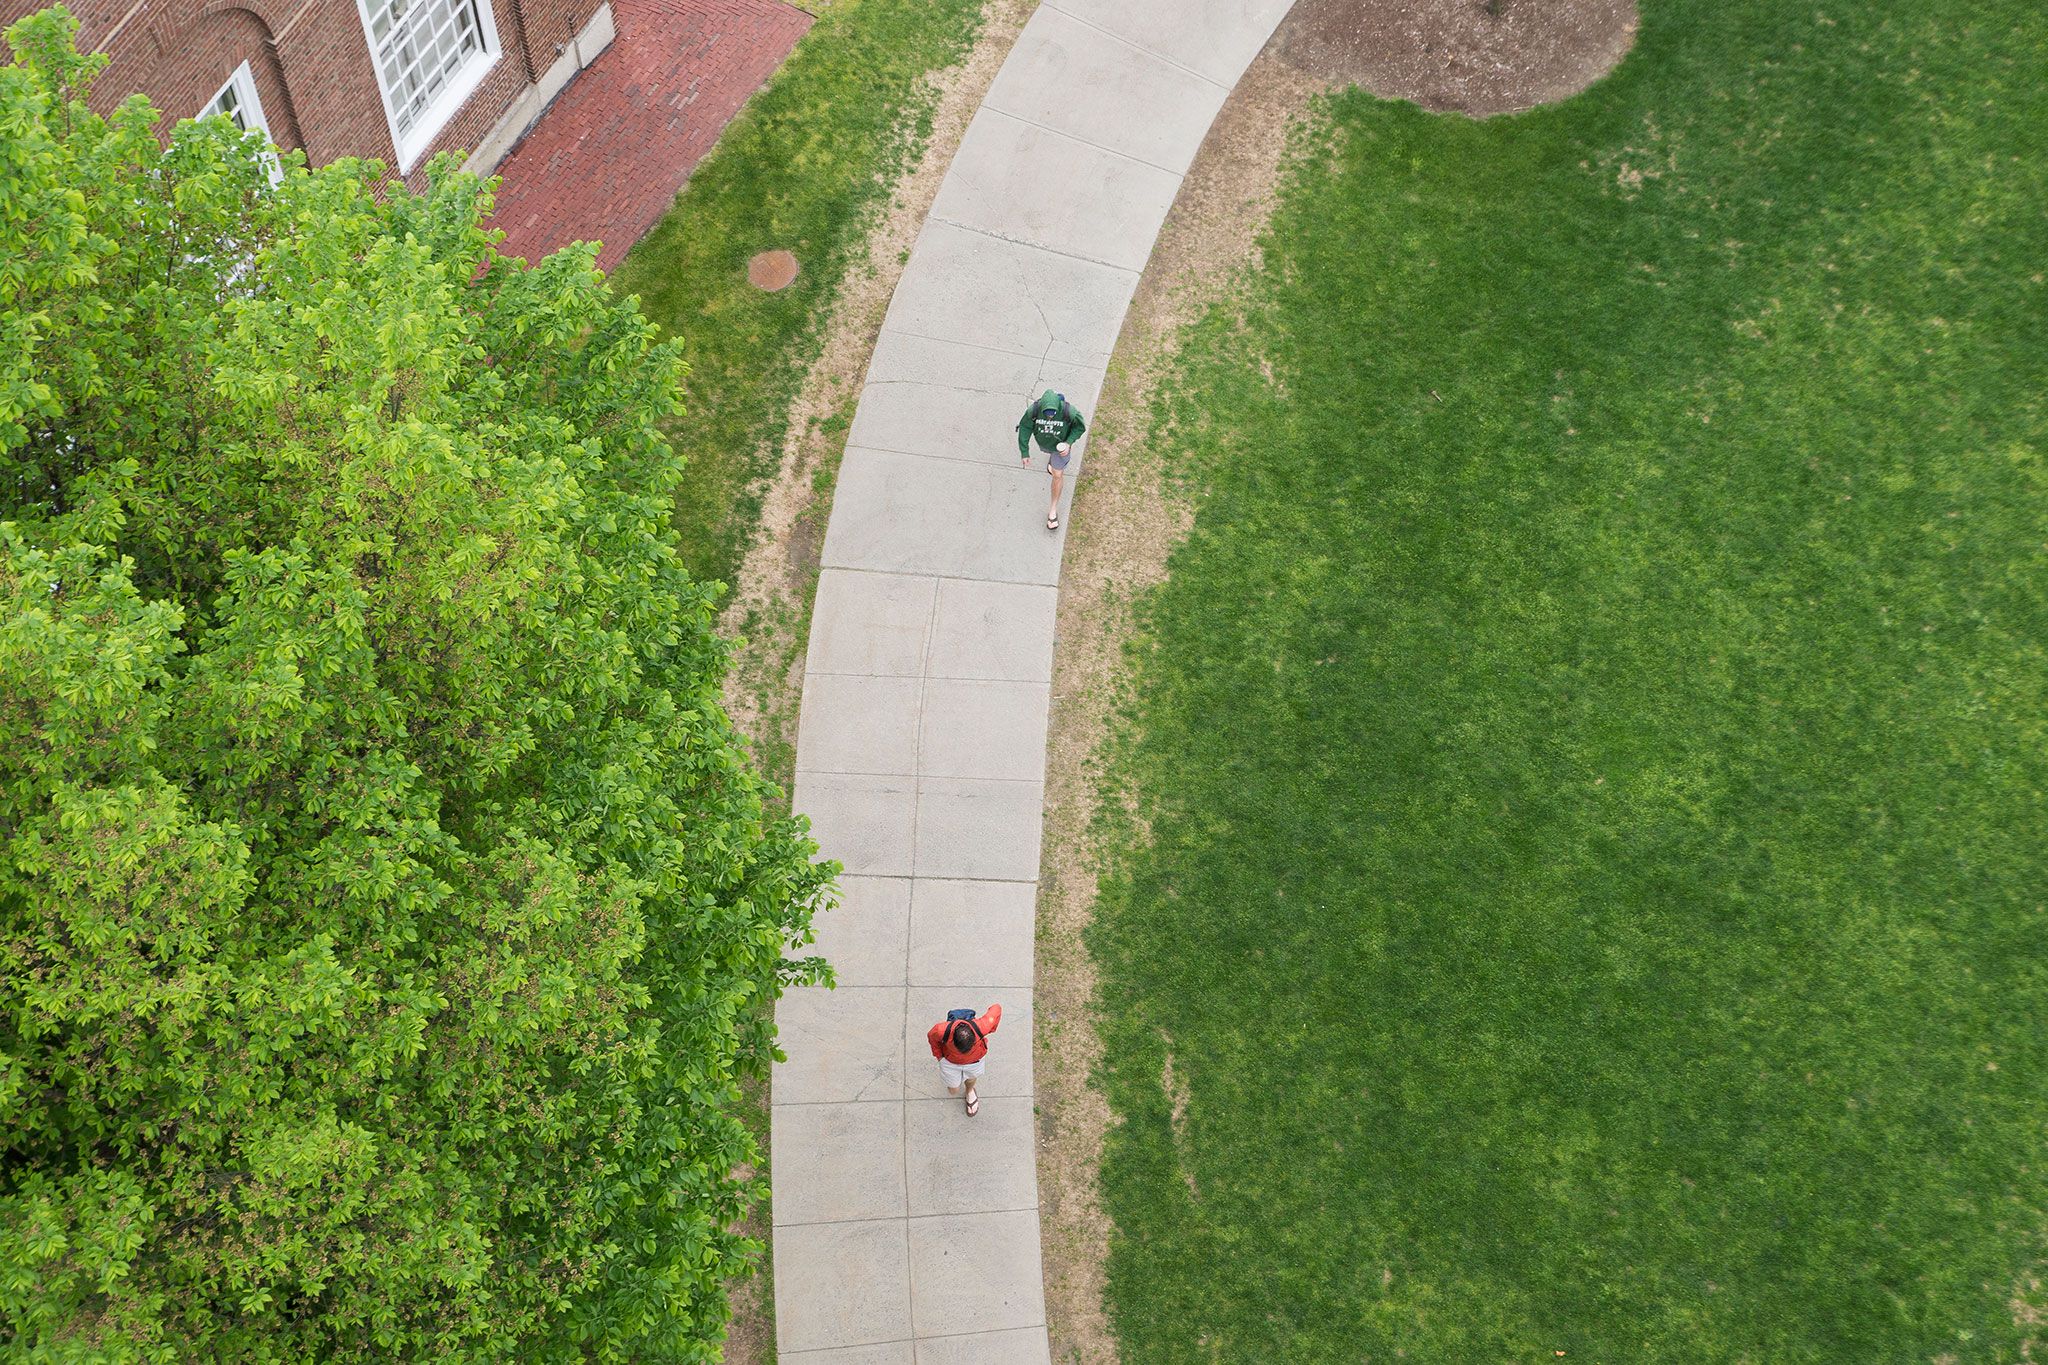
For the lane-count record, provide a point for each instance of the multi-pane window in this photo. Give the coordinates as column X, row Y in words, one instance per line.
column 429, row 55
column 240, row 102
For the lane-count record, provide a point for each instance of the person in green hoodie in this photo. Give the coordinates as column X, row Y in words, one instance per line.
column 1057, row 426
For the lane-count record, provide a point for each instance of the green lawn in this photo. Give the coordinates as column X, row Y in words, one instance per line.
column 1594, row 740
column 805, row 167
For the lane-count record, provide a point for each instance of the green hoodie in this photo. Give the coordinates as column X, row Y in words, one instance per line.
column 1051, row 419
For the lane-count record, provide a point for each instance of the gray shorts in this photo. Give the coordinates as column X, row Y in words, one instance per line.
column 1056, row 461
column 956, row 1073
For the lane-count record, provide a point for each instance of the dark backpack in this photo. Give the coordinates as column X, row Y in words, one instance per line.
column 962, row 1017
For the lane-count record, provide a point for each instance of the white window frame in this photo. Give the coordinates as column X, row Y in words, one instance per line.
column 243, row 82
column 413, row 145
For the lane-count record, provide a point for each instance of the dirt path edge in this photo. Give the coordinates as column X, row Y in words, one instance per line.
column 769, row 613
column 1476, row 57
column 1125, row 523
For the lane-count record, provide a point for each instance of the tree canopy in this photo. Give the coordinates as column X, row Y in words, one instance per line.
column 387, row 907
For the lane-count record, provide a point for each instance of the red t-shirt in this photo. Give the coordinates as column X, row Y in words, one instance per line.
column 940, row 1036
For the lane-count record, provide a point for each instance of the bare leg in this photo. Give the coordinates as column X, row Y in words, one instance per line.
column 971, row 1097
column 1059, row 478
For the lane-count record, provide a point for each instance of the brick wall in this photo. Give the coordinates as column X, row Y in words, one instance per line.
column 181, row 80
column 326, row 59
column 310, row 60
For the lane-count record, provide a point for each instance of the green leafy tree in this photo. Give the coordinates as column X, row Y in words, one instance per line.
column 387, row 908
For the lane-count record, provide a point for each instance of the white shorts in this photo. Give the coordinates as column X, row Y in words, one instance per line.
column 957, row 1072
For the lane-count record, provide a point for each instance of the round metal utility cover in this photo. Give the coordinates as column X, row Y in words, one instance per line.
column 772, row 270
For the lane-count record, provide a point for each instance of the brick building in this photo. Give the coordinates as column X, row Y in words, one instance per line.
column 393, row 79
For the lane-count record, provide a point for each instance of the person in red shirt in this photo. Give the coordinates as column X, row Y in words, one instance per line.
column 960, row 1042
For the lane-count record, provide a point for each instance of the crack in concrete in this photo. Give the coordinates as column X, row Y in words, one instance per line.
column 928, row 384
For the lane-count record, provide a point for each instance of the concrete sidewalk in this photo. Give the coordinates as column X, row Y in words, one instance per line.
column 905, row 1231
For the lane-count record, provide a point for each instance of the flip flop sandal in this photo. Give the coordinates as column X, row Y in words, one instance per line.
column 974, row 1106
column 1052, row 522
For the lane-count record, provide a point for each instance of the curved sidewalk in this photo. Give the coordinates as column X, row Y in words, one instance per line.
column 904, row 1231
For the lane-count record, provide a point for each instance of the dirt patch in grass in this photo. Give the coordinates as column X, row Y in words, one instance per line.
column 750, row 1336
column 1124, row 523
column 1175, row 1088
column 1476, row 57
column 2029, row 1307
column 770, row 610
